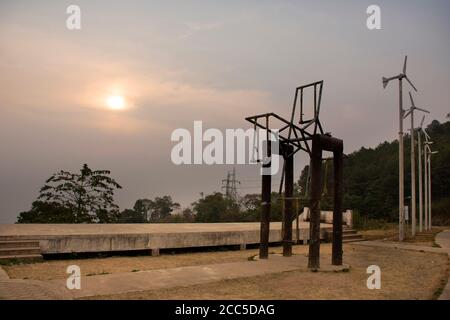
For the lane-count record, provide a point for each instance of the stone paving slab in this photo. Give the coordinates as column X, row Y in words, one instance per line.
column 395, row 245
column 18, row 289
column 187, row 276
column 3, row 275
column 156, row 279
column 443, row 239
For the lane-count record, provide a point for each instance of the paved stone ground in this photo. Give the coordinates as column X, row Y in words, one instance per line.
column 443, row 239
column 21, row 289
column 395, row 245
column 3, row 275
column 17, row 289
column 155, row 279
column 184, row 276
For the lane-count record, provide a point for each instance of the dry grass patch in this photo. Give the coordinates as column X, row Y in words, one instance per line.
column 56, row 269
column 425, row 238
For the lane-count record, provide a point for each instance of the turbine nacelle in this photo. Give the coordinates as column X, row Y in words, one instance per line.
column 386, row 80
column 401, row 76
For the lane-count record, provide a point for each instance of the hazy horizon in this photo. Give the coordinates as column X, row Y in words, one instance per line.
column 196, row 60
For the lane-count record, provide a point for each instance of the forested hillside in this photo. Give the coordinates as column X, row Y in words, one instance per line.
column 371, row 178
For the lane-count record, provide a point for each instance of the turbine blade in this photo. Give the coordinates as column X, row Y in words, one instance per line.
column 407, row 79
column 407, row 113
column 412, row 100
column 423, row 110
column 421, row 122
column 404, row 65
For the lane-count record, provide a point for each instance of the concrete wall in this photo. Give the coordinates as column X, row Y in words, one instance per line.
column 107, row 243
column 78, row 238
column 327, row 216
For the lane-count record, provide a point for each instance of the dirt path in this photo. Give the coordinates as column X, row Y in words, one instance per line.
column 415, row 273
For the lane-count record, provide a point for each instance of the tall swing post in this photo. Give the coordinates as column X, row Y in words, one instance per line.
column 306, row 135
column 322, row 143
column 297, row 226
column 266, row 200
column 314, row 204
column 338, row 159
column 288, row 200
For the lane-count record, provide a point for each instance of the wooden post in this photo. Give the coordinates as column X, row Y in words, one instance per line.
column 314, row 203
column 265, row 208
column 337, row 212
column 288, row 201
column 297, row 229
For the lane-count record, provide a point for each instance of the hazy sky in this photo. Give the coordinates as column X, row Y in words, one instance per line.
column 180, row 61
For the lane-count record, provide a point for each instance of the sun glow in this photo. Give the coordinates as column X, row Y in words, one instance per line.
column 116, row 102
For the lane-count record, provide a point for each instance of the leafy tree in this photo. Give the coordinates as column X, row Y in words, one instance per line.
column 46, row 212
column 104, row 216
column 86, row 194
column 188, row 214
column 131, row 216
column 250, row 205
column 216, row 208
column 158, row 209
column 162, row 207
column 143, row 206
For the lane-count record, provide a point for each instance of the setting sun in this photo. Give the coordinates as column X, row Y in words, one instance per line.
column 116, row 102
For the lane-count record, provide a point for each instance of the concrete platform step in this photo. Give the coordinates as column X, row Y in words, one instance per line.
column 348, row 235
column 19, row 244
column 20, row 251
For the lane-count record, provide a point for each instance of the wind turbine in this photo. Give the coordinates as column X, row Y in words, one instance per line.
column 419, row 144
column 426, row 148
column 401, row 176
column 413, row 164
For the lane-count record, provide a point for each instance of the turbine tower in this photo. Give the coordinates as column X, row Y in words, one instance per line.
column 429, row 186
column 401, row 177
column 426, row 149
column 419, row 144
column 413, row 163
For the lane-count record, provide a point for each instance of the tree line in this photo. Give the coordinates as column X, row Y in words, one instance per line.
column 88, row 197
